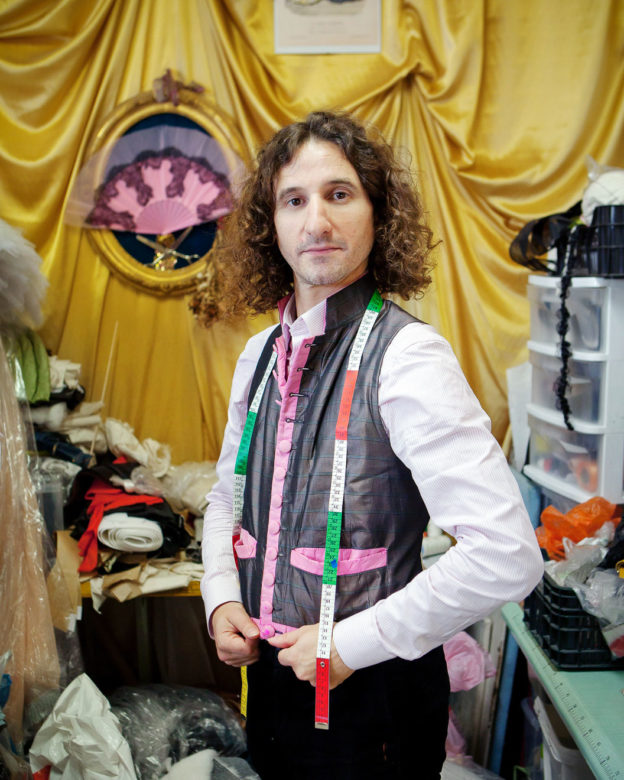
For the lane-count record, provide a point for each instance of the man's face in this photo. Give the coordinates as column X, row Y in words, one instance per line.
column 324, row 221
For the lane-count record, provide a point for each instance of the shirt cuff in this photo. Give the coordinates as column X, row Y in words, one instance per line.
column 358, row 642
column 227, row 591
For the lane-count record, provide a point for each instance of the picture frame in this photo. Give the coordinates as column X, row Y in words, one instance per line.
column 123, row 254
column 327, row 26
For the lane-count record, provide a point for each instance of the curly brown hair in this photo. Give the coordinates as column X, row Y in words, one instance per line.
column 250, row 275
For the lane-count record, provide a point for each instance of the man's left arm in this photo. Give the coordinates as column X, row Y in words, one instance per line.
column 438, row 429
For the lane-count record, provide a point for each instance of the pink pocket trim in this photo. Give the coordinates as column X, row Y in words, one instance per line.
column 246, row 546
column 350, row 561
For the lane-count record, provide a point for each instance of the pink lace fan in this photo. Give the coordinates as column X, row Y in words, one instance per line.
column 155, row 180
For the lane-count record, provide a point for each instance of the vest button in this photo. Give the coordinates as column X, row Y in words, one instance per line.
column 280, row 473
column 266, row 632
column 274, row 527
column 268, row 580
column 277, row 500
column 271, row 553
column 267, row 609
column 285, row 445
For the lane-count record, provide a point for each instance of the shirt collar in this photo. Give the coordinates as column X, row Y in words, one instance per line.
column 311, row 323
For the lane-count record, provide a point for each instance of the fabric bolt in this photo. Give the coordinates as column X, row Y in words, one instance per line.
column 130, row 534
column 437, row 428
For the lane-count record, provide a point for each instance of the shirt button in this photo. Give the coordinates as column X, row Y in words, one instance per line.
column 280, row 473
column 285, row 445
column 274, row 527
column 271, row 553
column 266, row 632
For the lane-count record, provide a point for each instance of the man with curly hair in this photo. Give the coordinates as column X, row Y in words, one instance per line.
column 351, row 412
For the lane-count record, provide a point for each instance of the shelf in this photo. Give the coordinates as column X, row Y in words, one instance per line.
column 591, row 704
column 192, row 589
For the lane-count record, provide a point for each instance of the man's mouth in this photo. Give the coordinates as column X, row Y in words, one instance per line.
column 320, row 249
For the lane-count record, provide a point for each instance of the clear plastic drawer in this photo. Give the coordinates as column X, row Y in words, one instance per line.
column 585, row 385
column 586, row 307
column 592, row 462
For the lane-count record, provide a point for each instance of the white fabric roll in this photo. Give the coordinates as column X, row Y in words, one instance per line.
column 129, row 534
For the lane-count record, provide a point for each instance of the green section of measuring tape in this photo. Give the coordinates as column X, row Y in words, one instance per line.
column 332, row 548
column 245, row 443
column 376, row 302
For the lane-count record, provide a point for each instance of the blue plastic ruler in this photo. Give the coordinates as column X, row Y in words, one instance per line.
column 591, row 704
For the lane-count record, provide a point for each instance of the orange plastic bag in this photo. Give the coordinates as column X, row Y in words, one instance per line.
column 581, row 521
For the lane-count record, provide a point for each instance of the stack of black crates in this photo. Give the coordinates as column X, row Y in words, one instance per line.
column 570, row 637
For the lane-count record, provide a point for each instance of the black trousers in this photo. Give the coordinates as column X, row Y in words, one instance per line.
column 386, row 721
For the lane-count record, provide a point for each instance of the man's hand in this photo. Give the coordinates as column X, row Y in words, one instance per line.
column 299, row 652
column 236, row 635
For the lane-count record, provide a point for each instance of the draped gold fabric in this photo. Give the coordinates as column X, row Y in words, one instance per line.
column 498, row 104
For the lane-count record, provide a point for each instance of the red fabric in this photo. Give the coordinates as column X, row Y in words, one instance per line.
column 104, row 498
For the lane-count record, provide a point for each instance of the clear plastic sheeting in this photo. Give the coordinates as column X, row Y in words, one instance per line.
column 188, row 484
column 26, row 627
column 165, row 724
column 81, row 738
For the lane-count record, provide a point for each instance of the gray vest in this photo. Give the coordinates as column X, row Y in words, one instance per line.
column 384, row 516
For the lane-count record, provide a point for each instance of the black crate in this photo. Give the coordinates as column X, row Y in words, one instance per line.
column 569, row 636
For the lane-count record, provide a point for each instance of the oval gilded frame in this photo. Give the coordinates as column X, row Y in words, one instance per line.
column 199, row 109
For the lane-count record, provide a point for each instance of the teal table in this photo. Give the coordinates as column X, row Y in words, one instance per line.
column 591, row 704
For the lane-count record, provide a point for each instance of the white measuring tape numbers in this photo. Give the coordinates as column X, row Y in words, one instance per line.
column 334, row 516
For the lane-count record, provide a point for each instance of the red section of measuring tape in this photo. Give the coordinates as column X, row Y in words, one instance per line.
column 321, row 709
column 345, row 404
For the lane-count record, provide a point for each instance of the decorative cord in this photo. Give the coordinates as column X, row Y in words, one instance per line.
column 562, row 383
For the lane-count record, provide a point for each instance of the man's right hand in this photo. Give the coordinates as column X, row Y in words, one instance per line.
column 235, row 633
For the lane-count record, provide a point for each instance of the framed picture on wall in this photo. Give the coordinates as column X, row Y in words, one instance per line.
column 327, row 26
column 154, row 188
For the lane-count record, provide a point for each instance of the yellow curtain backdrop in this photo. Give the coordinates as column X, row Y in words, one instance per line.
column 498, row 104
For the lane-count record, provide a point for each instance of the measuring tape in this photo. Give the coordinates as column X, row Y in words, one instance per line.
column 334, row 516
column 238, row 488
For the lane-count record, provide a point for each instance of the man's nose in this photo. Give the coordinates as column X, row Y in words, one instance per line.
column 317, row 219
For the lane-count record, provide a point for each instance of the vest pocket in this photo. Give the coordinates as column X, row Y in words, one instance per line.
column 245, row 546
column 350, row 561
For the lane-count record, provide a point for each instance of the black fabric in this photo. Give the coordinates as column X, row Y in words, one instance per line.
column 540, row 235
column 386, row 721
column 71, row 396
column 58, row 446
column 615, row 553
